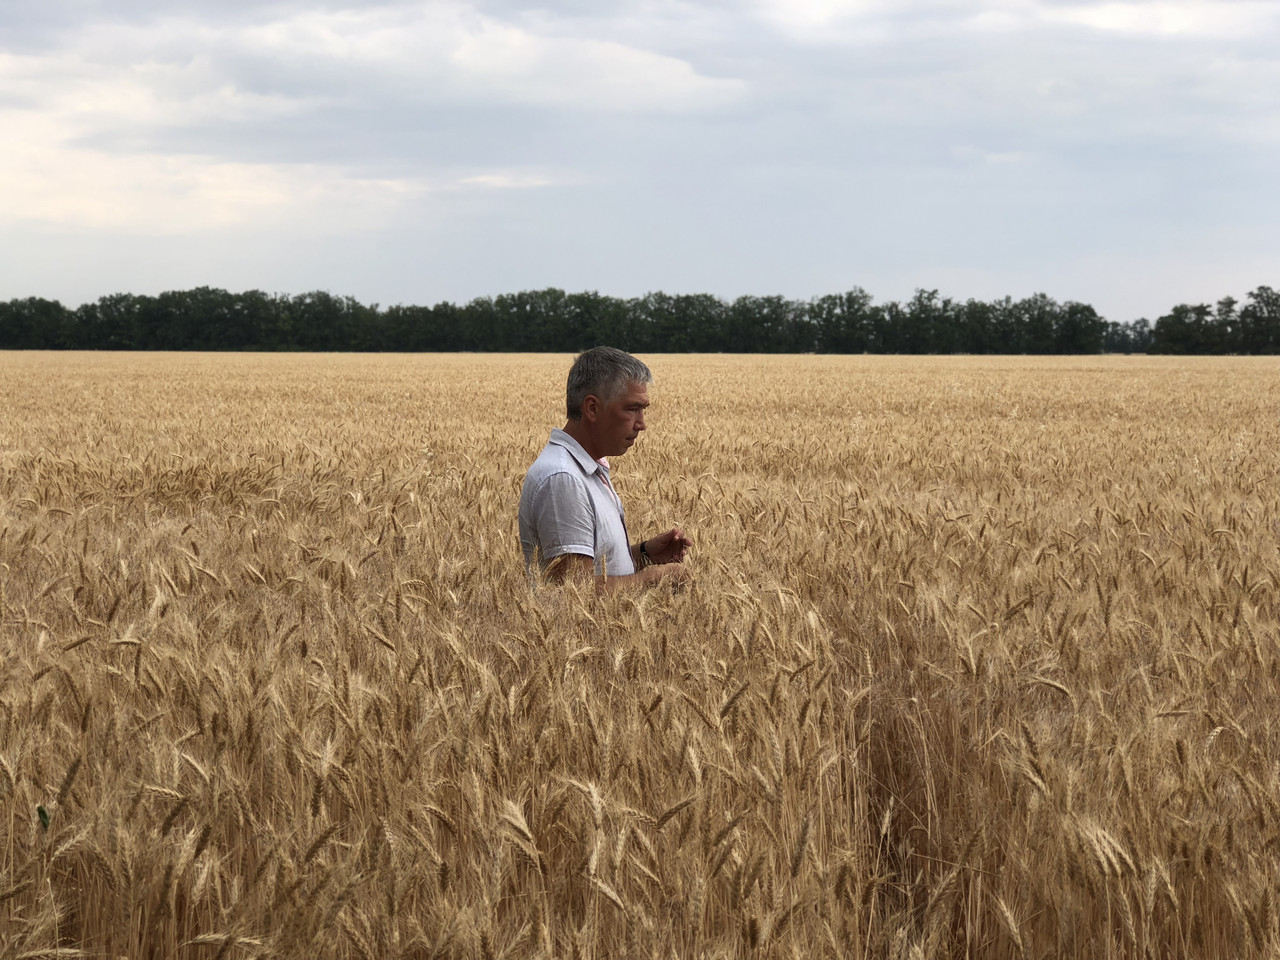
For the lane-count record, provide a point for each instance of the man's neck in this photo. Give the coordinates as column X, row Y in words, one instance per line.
column 576, row 429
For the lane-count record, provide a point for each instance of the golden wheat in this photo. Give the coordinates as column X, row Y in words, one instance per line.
column 981, row 659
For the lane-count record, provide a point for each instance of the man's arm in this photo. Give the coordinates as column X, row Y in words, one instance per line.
column 669, row 547
column 574, row 567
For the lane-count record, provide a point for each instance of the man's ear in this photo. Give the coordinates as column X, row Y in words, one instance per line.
column 590, row 407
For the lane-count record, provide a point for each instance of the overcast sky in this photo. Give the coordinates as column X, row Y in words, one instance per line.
column 1126, row 154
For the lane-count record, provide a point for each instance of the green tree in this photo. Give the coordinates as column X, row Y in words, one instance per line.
column 1260, row 322
column 843, row 322
column 1036, row 322
column 978, row 330
column 1079, row 329
column 1226, row 334
column 536, row 320
column 323, row 322
column 928, row 324
column 117, row 321
column 597, row 320
column 34, row 324
column 1185, row 329
column 201, row 319
column 703, row 317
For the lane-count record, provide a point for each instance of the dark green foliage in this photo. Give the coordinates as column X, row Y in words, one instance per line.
column 1260, row 322
column 35, row 324
column 207, row 318
column 843, row 322
column 1189, row 329
column 1132, row 337
column 1200, row 328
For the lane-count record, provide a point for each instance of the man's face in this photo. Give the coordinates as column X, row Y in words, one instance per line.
column 622, row 418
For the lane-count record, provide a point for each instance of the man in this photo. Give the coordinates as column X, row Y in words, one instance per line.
column 572, row 525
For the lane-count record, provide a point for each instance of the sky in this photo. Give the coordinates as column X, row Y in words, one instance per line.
column 1123, row 154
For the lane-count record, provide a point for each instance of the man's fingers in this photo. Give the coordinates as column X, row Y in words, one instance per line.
column 681, row 543
column 673, row 545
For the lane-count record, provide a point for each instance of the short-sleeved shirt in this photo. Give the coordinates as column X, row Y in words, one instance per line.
column 568, row 505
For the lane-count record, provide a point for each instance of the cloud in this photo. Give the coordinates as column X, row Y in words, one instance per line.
column 49, row 175
column 435, row 51
column 170, row 123
column 157, row 195
column 828, row 22
column 876, row 21
column 1161, row 18
column 734, row 146
column 506, row 181
column 587, row 74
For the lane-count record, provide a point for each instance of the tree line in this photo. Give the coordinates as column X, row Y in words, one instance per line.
column 207, row 318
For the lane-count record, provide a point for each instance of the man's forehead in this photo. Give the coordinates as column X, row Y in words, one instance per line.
column 635, row 393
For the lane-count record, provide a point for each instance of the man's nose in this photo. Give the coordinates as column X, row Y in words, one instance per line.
column 640, row 422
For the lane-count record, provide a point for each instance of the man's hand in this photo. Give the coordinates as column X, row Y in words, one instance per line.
column 669, row 547
column 572, row 567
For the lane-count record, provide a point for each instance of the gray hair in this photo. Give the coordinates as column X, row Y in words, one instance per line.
column 602, row 372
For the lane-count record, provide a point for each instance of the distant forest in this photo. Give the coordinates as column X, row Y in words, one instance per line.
column 552, row 320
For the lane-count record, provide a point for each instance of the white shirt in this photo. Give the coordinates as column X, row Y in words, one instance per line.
column 568, row 505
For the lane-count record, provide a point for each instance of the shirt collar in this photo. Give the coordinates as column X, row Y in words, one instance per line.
column 562, row 439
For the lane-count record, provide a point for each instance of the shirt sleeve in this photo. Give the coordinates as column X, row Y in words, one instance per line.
column 564, row 517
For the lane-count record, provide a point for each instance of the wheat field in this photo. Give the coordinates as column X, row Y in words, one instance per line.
column 980, row 659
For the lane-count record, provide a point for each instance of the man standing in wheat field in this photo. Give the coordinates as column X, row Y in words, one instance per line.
column 572, row 524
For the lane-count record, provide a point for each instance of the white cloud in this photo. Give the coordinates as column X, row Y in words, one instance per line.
column 818, row 13
column 732, row 145
column 86, row 190
column 94, row 132
column 1191, row 18
column 584, row 73
column 845, row 21
column 49, row 175
column 830, row 21
column 998, row 158
column 84, row 97
column 506, row 181
column 49, row 184
column 455, row 53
